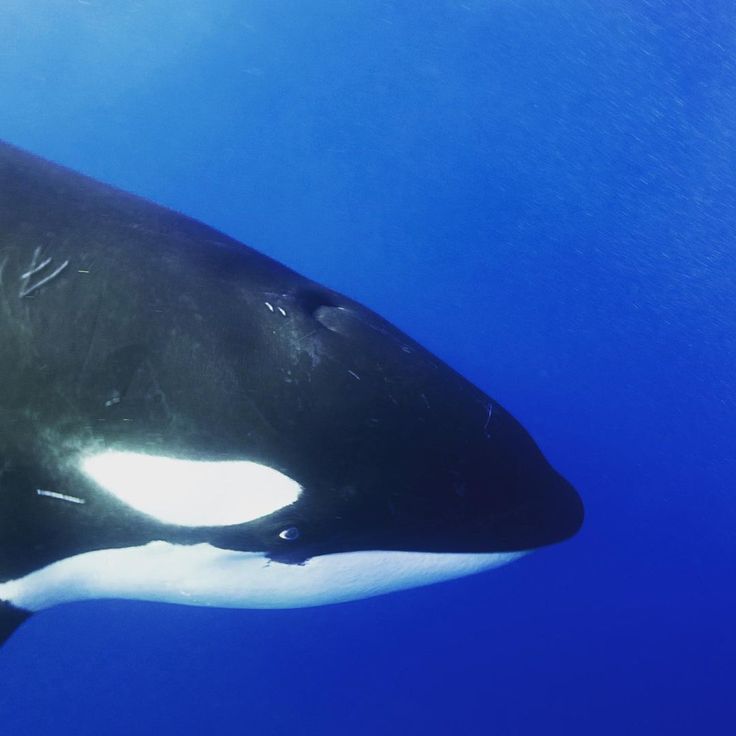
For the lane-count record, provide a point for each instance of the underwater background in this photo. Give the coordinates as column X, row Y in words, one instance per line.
column 541, row 192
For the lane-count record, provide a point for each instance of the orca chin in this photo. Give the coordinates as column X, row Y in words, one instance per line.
column 184, row 419
column 203, row 575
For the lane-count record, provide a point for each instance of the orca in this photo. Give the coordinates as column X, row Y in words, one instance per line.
column 184, row 419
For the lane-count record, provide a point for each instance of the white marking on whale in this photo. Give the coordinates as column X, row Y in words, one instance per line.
column 192, row 492
column 59, row 496
column 203, row 575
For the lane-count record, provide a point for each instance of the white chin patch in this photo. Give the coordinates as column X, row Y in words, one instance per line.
column 192, row 492
column 202, row 575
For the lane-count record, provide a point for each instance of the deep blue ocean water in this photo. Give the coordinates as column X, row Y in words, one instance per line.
column 540, row 191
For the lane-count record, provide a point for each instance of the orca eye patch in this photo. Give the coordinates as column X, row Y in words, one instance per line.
column 192, row 492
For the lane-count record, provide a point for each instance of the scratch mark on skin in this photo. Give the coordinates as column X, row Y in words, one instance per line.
column 59, row 496
column 308, row 335
column 27, row 288
column 488, row 418
column 35, row 269
column 90, row 346
column 269, row 305
column 31, row 289
column 426, row 400
column 282, row 311
column 354, row 375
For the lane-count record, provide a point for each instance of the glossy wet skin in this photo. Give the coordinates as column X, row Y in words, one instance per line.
column 166, row 338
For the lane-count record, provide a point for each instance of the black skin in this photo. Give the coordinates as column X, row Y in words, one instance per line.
column 160, row 335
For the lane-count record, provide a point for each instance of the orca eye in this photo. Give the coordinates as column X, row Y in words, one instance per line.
column 289, row 534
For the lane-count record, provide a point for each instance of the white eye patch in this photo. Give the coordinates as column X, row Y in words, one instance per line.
column 192, row 492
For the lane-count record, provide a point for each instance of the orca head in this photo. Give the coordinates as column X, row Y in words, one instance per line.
column 327, row 458
column 183, row 419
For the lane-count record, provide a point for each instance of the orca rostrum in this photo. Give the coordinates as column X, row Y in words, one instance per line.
column 184, row 419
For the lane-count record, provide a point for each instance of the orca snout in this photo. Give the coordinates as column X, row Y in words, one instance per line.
column 527, row 503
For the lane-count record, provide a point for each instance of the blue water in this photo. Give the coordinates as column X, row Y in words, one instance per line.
column 540, row 191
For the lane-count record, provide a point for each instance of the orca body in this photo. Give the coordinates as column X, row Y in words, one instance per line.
column 184, row 419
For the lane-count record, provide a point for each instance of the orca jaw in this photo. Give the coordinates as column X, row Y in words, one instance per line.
column 203, row 575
